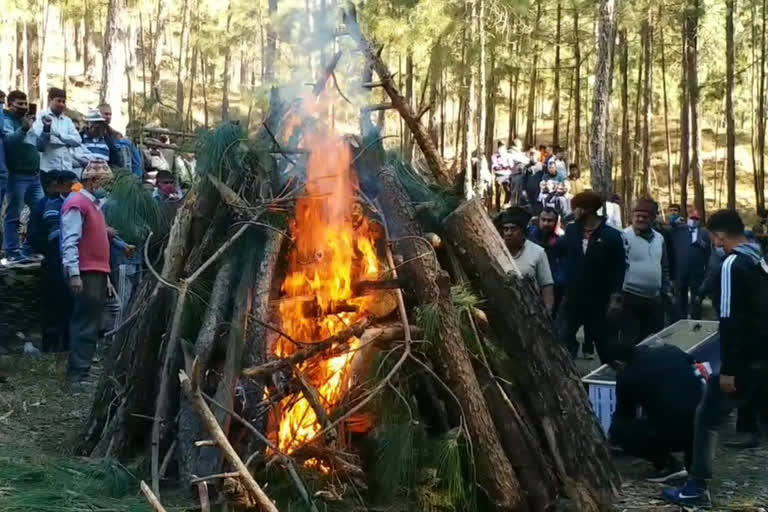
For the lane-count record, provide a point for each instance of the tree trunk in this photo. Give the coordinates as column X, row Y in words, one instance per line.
column 490, row 106
column 601, row 169
column 203, row 71
column 647, row 106
column 42, row 69
column 570, row 436
column 685, row 127
column 626, row 148
column 577, row 88
column 157, row 49
column 113, row 69
column 270, row 53
column 78, row 43
column 513, row 91
column 225, row 76
column 693, row 91
column 33, row 62
column 760, row 174
column 556, row 99
column 638, row 138
column 435, row 74
column 530, row 136
column 483, row 178
column 180, row 68
column 431, row 286
column 88, row 44
column 730, row 137
column 670, row 177
column 407, row 137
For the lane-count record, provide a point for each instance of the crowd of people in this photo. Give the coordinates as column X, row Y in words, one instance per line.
column 61, row 172
column 624, row 284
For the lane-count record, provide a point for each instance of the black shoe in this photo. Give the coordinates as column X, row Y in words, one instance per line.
column 745, row 441
column 672, row 469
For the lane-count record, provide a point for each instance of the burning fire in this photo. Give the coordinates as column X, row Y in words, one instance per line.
column 334, row 247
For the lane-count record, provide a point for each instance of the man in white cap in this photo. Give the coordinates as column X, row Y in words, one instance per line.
column 97, row 142
column 85, row 243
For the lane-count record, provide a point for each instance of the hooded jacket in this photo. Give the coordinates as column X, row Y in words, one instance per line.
column 743, row 306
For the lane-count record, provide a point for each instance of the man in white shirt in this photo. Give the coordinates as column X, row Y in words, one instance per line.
column 531, row 259
column 56, row 134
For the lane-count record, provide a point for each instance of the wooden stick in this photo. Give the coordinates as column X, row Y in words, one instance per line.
column 302, row 355
column 167, row 459
column 312, row 397
column 210, row 422
column 202, row 492
column 151, row 498
column 376, row 107
column 229, row 474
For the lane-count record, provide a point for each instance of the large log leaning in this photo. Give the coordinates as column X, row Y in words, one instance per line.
column 450, row 356
column 546, row 378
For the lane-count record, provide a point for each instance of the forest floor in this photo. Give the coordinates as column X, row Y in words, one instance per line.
column 40, row 418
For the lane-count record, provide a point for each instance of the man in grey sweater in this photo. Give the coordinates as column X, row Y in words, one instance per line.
column 646, row 282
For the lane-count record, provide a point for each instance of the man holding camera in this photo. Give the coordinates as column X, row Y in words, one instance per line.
column 23, row 163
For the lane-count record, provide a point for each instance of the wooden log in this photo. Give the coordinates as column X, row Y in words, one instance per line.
column 412, row 119
column 151, row 498
column 229, row 453
column 308, row 352
column 551, row 391
column 431, row 285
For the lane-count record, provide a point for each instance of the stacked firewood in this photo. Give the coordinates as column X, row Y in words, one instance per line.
column 196, row 380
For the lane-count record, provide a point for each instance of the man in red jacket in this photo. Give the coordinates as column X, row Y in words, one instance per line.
column 85, row 256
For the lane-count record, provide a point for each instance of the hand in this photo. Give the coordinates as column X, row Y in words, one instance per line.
column 76, row 285
column 615, row 307
column 27, row 121
column 129, row 251
column 111, row 232
column 728, row 383
column 47, row 122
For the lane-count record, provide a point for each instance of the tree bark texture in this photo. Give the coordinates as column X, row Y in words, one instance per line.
column 407, row 136
column 730, row 58
column 556, row 98
column 685, row 115
column 647, row 105
column 577, row 88
column 431, row 285
column 113, row 66
column 552, row 394
column 225, row 76
column 626, row 148
column 270, row 52
column 670, row 176
column 601, row 170
column 694, row 94
column 760, row 174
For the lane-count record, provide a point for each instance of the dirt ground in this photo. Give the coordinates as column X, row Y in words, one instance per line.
column 40, row 416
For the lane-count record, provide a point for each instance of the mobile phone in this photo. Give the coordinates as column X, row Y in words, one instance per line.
column 32, row 109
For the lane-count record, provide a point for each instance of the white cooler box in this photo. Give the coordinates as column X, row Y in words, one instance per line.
column 697, row 337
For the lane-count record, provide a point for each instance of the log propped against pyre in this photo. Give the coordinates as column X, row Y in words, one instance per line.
column 306, row 332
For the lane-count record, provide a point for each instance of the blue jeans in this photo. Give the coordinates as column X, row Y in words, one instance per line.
column 22, row 189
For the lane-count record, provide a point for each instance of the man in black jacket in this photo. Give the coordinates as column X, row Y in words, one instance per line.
column 667, row 385
column 595, row 262
column 743, row 330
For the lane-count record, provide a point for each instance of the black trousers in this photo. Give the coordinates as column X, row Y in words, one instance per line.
column 55, row 305
column 85, row 324
column 574, row 315
column 641, row 317
column 655, row 441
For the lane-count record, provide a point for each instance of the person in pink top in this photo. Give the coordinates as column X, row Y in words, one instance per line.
column 85, row 242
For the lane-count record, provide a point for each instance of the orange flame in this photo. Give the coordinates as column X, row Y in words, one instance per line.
column 334, row 246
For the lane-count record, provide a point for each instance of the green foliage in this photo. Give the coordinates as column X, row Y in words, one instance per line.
column 433, row 203
column 39, row 483
column 222, row 150
column 132, row 211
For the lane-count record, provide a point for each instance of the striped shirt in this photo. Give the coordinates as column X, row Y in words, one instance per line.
column 97, row 146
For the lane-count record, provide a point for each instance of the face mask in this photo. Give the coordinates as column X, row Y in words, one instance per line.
column 673, row 219
column 720, row 252
column 167, row 188
column 693, row 223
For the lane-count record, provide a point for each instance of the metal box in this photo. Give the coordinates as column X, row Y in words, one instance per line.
column 697, row 337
